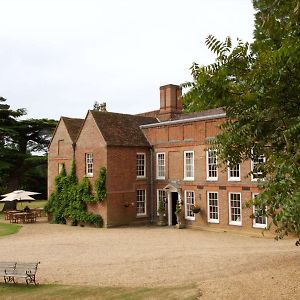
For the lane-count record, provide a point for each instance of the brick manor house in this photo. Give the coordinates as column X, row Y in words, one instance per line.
column 156, row 155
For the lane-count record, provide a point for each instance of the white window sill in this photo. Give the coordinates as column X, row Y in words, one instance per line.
column 234, row 179
column 189, row 179
column 214, row 221
column 160, row 178
column 141, row 215
column 141, row 177
column 260, row 226
column 89, row 175
column 235, row 223
column 212, row 179
column 190, row 218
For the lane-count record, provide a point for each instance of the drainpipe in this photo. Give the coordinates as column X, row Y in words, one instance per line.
column 151, row 186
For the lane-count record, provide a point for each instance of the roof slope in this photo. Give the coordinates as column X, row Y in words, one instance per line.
column 122, row 129
column 204, row 113
column 73, row 126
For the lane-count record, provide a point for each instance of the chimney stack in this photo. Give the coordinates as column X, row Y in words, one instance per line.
column 170, row 102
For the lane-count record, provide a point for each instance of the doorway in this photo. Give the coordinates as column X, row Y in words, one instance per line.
column 174, row 200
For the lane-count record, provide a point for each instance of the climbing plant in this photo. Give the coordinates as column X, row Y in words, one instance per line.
column 68, row 201
column 100, row 185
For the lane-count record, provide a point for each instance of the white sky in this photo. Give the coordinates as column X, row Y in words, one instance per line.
column 57, row 57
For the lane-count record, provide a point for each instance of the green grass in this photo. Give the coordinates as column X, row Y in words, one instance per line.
column 21, row 291
column 6, row 229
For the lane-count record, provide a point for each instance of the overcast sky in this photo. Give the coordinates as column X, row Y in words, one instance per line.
column 57, row 57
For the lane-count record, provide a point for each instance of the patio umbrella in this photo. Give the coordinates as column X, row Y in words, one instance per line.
column 19, row 195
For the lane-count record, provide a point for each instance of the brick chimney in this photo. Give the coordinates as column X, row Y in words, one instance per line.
column 170, row 102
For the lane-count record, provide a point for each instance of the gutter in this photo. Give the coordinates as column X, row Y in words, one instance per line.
column 189, row 120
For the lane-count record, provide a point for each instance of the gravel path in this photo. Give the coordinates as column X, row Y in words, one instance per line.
column 221, row 265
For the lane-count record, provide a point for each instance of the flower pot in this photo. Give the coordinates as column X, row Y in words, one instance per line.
column 162, row 220
column 196, row 210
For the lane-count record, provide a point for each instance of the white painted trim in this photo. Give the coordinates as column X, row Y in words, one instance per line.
column 258, row 225
column 157, row 198
column 236, row 223
column 208, row 178
column 145, row 163
column 184, row 166
column 145, row 213
column 185, row 205
column 157, row 176
column 189, row 120
column 215, row 221
column 87, row 174
column 169, row 209
column 234, row 178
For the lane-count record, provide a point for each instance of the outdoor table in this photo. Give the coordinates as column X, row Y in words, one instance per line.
column 38, row 211
column 24, row 217
column 9, row 213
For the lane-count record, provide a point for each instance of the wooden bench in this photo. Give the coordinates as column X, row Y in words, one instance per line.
column 20, row 270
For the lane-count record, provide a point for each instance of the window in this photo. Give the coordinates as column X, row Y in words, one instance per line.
column 89, row 164
column 255, row 165
column 140, row 165
column 188, row 165
column 60, row 167
column 260, row 221
column 189, row 197
column 160, row 165
column 213, row 207
column 141, row 202
column 235, row 209
column 211, row 165
column 162, row 196
column 234, row 173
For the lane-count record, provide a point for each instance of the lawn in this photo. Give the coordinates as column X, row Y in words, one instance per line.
column 6, row 229
column 21, row 291
column 32, row 204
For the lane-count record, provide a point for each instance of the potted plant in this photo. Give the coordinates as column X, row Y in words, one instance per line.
column 196, row 208
column 161, row 213
column 179, row 216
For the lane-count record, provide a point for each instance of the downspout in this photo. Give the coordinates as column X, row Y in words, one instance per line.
column 151, row 186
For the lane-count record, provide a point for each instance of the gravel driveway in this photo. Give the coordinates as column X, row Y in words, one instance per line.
column 221, row 265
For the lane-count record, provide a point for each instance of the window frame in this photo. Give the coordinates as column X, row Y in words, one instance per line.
column 185, row 177
column 258, row 225
column 209, row 178
column 60, row 167
column 145, row 203
column 210, row 220
column 231, row 178
column 257, row 173
column 157, row 200
column 88, row 163
column 157, row 165
column 137, row 165
column 231, row 222
column 186, row 210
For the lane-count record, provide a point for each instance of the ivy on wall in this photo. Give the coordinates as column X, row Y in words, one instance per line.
column 69, row 199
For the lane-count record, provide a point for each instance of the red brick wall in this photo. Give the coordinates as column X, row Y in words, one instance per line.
column 192, row 137
column 60, row 151
column 122, row 184
column 90, row 140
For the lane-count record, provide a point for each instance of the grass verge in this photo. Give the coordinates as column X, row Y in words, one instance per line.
column 6, row 229
column 65, row 292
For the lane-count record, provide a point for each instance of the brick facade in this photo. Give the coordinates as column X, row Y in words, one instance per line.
column 117, row 141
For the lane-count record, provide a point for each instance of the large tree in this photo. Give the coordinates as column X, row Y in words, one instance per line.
column 258, row 85
column 23, row 149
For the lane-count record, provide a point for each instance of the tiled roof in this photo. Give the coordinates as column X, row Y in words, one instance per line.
column 122, row 129
column 73, row 126
column 209, row 112
column 152, row 114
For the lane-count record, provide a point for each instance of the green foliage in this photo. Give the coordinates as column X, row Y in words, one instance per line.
column 19, row 140
column 161, row 208
column 100, row 185
column 69, row 200
column 258, row 87
column 178, row 208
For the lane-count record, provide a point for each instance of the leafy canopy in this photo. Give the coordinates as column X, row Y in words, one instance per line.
column 258, row 85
